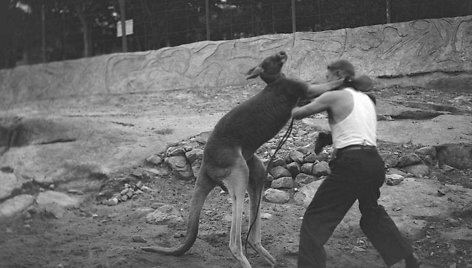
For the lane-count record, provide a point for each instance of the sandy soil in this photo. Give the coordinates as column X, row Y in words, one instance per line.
column 96, row 235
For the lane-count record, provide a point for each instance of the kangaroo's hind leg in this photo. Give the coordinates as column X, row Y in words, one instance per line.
column 236, row 181
column 256, row 183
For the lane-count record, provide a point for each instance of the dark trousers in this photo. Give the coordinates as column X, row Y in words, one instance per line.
column 355, row 175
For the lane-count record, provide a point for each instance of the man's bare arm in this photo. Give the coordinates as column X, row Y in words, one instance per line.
column 362, row 83
column 320, row 104
column 315, row 90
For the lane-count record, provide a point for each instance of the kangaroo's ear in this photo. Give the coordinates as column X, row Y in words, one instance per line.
column 254, row 72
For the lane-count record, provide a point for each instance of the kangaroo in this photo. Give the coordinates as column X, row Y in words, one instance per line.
column 229, row 158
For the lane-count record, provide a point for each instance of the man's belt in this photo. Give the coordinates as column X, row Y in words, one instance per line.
column 356, row 147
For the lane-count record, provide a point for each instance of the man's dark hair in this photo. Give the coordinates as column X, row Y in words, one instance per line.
column 342, row 67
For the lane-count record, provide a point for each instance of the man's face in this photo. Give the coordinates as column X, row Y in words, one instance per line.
column 331, row 76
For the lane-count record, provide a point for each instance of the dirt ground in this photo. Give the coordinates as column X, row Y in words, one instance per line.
column 96, row 235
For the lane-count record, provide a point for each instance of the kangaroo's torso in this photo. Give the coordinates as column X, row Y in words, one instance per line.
column 257, row 120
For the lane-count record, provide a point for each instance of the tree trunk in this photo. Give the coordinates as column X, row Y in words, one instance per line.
column 294, row 18
column 79, row 7
column 156, row 33
column 124, row 40
column 8, row 35
column 43, row 33
column 207, row 19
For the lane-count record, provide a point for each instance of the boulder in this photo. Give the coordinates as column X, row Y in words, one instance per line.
column 455, row 155
column 304, row 150
column 278, row 162
column 9, row 183
column 276, row 196
column 269, row 178
column 324, row 156
column 395, row 171
column 408, row 160
column 160, row 171
column 303, row 178
column 142, row 212
column 165, row 215
column 15, row 205
column 307, row 168
column 391, row 160
column 296, row 156
column 426, row 150
column 196, row 165
column 194, row 155
column 48, row 198
column 310, row 158
column 321, row 169
column 202, row 137
column 305, row 194
column 418, row 171
column 154, row 160
column 180, row 167
column 279, row 172
column 77, row 176
column 427, row 154
column 293, row 168
column 175, row 151
column 30, row 131
column 283, row 182
column 393, row 179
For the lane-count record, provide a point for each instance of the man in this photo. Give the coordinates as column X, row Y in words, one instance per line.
column 357, row 173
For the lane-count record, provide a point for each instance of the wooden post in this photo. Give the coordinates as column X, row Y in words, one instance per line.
column 253, row 18
column 294, row 19
column 43, row 32
column 387, row 10
column 207, row 18
column 231, row 23
column 124, row 40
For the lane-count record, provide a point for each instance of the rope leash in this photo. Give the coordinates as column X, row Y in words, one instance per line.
column 269, row 165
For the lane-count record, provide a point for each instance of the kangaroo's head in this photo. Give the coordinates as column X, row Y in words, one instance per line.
column 270, row 68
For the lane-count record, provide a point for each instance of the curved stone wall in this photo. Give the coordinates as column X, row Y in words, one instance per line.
column 432, row 52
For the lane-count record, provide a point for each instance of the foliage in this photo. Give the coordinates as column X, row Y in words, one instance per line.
column 78, row 28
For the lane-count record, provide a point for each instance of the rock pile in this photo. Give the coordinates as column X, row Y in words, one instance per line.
column 293, row 175
column 129, row 192
column 183, row 159
column 51, row 194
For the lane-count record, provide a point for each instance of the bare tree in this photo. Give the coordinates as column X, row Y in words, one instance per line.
column 80, row 7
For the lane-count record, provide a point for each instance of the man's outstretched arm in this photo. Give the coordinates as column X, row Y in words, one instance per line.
column 320, row 104
column 362, row 83
column 315, row 90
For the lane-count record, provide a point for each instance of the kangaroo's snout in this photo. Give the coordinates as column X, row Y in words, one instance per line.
column 270, row 68
column 282, row 56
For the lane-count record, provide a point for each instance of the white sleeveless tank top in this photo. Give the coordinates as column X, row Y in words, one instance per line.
column 360, row 126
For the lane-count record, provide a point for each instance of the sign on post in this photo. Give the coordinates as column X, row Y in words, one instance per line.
column 128, row 28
